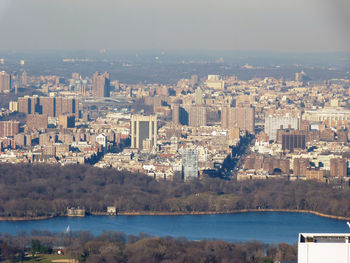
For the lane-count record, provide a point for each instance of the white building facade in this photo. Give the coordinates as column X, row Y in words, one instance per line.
column 190, row 165
column 273, row 123
column 323, row 248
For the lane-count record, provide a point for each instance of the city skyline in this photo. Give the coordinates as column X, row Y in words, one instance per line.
column 315, row 26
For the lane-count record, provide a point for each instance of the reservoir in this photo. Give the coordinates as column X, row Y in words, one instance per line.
column 269, row 227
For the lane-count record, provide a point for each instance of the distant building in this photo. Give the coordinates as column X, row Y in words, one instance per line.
column 66, row 106
column 111, row 210
column 51, row 106
column 324, row 248
column 9, row 128
column 20, row 139
column 101, row 85
column 24, row 78
column 215, row 82
column 144, row 131
column 13, row 106
column 194, row 80
column 315, row 174
column 234, row 133
column 199, row 96
column 5, row 82
column 48, row 106
column 329, row 116
column 342, row 135
column 101, row 139
column 190, row 165
column 301, row 77
column 338, row 167
column 24, row 105
column 176, row 114
column 273, row 123
column 37, row 121
column 66, row 121
column 292, row 139
column 73, row 211
column 270, row 164
column 300, row 165
column 197, row 116
column 327, row 134
column 242, row 117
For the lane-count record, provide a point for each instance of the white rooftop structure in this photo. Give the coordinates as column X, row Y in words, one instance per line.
column 323, row 248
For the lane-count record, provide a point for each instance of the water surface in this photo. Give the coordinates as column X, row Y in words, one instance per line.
column 269, row 227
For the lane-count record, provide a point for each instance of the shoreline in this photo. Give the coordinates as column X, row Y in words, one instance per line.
column 233, row 212
column 25, row 218
column 159, row 213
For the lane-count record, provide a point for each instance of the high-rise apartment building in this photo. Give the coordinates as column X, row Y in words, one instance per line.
column 48, row 106
column 37, row 121
column 179, row 115
column 24, row 105
column 176, row 114
column 197, row 116
column 242, row 117
column 5, row 82
column 338, row 167
column 190, row 164
column 292, row 141
column 101, row 85
column 66, row 121
column 300, row 165
column 144, row 132
column 66, row 106
column 275, row 122
column 51, row 106
column 9, row 128
column 199, row 96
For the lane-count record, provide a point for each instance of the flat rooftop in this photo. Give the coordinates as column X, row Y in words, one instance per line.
column 323, row 238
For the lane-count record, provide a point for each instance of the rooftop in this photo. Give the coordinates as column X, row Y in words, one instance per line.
column 324, row 238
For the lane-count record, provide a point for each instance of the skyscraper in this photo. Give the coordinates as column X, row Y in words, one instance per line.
column 24, row 78
column 100, row 85
column 52, row 106
column 190, row 164
column 144, row 132
column 5, row 82
column 24, row 105
column 242, row 117
column 199, row 96
column 197, row 116
column 176, row 114
column 48, row 106
column 9, row 128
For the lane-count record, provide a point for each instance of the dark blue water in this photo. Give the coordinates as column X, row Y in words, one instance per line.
column 269, row 227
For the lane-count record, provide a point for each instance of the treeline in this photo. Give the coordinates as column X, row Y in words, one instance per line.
column 42, row 190
column 113, row 247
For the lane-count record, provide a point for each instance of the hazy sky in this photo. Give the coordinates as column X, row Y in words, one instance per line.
column 273, row 25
